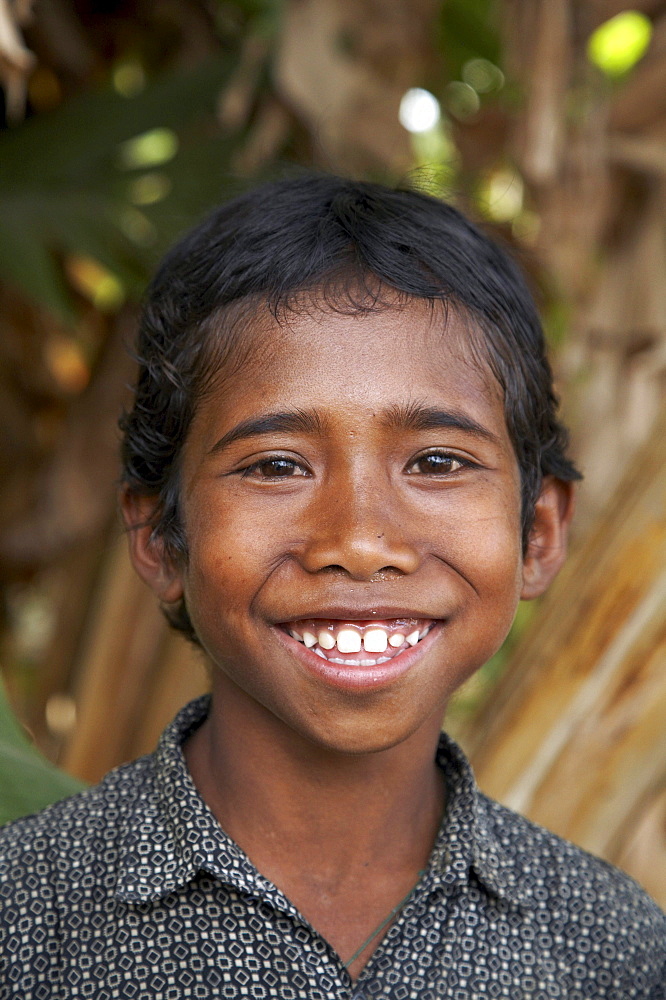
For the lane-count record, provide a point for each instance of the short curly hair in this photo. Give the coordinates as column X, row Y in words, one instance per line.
column 329, row 237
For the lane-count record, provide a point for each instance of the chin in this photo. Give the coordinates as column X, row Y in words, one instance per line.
column 360, row 737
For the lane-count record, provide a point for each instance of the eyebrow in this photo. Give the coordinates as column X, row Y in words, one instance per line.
column 304, row 421
column 419, row 417
column 408, row 417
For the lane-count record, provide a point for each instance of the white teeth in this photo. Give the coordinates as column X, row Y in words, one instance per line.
column 348, row 640
column 348, row 662
column 319, row 653
column 327, row 640
column 375, row 640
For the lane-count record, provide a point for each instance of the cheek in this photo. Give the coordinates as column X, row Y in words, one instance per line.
column 230, row 555
column 486, row 553
column 499, row 552
column 483, row 530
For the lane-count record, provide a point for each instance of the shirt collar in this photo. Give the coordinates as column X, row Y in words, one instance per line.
column 170, row 834
column 468, row 841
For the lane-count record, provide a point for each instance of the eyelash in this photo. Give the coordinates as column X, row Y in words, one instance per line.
column 273, row 460
column 462, row 463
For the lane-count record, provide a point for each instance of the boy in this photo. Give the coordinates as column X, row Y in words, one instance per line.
column 342, row 470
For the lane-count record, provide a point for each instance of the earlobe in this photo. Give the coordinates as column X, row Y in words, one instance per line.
column 547, row 546
column 148, row 555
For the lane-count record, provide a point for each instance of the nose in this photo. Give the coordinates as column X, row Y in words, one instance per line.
column 357, row 529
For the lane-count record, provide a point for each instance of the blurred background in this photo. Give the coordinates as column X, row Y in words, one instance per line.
column 121, row 124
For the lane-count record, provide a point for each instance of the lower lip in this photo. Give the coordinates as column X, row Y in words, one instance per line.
column 350, row 678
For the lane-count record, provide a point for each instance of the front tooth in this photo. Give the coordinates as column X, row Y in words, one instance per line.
column 375, row 640
column 396, row 639
column 309, row 638
column 326, row 639
column 413, row 637
column 348, row 640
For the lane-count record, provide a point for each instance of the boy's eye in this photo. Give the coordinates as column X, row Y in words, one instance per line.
column 437, row 463
column 274, row 468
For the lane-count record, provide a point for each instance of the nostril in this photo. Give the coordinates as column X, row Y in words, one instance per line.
column 358, row 554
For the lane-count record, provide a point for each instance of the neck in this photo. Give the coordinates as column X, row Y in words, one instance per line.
column 300, row 810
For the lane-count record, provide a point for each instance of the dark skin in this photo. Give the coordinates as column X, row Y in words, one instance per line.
column 393, row 491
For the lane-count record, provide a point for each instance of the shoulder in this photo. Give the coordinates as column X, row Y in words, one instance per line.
column 36, row 850
column 594, row 922
column 571, row 884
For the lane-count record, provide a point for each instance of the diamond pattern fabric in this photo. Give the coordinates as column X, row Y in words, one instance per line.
column 131, row 891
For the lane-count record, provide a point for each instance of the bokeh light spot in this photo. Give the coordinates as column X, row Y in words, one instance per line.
column 617, row 45
column 129, row 78
column 483, row 76
column 151, row 149
column 149, row 188
column 501, row 195
column 419, row 110
column 461, row 100
column 95, row 282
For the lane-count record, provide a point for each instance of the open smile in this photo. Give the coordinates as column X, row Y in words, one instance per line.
column 358, row 655
column 376, row 641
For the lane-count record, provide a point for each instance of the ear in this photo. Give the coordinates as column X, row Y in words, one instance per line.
column 549, row 534
column 147, row 552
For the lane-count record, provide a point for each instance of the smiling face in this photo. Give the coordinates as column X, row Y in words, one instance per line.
column 351, row 503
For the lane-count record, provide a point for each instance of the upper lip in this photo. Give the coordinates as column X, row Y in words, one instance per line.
column 354, row 612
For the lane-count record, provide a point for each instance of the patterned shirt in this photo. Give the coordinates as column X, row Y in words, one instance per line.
column 132, row 890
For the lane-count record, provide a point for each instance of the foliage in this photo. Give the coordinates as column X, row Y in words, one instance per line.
column 469, row 31
column 28, row 782
column 69, row 184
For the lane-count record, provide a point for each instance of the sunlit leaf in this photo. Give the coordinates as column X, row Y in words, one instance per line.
column 95, row 282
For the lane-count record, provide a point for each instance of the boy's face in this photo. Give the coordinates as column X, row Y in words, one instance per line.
column 356, row 472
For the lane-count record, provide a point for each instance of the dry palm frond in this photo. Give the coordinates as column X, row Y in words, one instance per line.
column 16, row 61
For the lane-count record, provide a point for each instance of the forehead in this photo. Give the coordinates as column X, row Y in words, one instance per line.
column 366, row 353
column 351, row 373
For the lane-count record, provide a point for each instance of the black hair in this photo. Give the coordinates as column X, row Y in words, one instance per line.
column 327, row 236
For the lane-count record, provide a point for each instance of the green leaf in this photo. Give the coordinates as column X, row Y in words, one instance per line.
column 27, row 261
column 64, row 188
column 28, row 782
column 70, row 144
column 469, row 30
